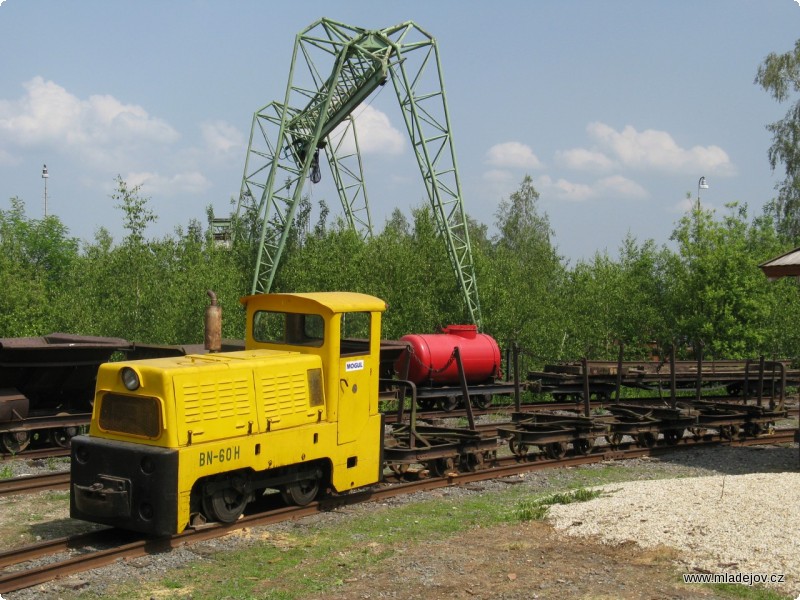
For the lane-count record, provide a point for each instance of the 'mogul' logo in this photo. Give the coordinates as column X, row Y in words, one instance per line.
column 354, row 365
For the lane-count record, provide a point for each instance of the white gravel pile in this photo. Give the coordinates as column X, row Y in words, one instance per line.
column 722, row 524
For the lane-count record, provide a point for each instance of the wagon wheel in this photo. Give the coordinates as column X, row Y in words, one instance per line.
column 399, row 469
column 449, row 403
column 614, row 439
column 300, row 493
column 472, row 461
column 483, row 401
column 728, row 432
column 442, row 466
column 583, row 446
column 225, row 505
column 63, row 437
column 555, row 450
column 752, row 429
column 646, row 439
column 698, row 432
column 518, row 449
column 673, row 436
column 734, row 389
column 17, row 441
column 427, row 403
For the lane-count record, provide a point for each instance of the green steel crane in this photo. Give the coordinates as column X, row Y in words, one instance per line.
column 335, row 67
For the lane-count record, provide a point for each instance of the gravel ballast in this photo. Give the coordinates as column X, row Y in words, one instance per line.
column 536, row 557
column 722, row 524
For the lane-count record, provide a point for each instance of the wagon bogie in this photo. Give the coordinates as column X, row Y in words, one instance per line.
column 440, row 450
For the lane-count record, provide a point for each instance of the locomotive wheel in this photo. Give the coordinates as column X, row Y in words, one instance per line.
column 673, row 436
column 483, row 401
column 583, row 446
column 614, row 439
column 300, row 493
column 16, row 442
column 555, row 450
column 225, row 505
column 646, row 439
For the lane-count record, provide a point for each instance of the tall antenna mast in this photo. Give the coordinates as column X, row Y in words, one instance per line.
column 45, row 176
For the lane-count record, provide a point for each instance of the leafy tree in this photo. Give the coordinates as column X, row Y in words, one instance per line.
column 36, row 256
column 137, row 214
column 615, row 301
column 717, row 295
column 520, row 290
column 779, row 75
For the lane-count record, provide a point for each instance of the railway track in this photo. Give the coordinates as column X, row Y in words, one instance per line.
column 30, row 484
column 437, row 415
column 105, row 546
column 38, row 453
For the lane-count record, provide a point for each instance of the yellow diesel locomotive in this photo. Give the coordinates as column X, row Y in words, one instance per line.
column 181, row 440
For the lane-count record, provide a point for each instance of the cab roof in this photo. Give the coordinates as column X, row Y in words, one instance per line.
column 315, row 302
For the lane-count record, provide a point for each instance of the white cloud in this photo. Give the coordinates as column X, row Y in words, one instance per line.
column 376, row 134
column 653, row 149
column 684, row 205
column 99, row 129
column 498, row 176
column 6, row 158
column 191, row 182
column 563, row 189
column 222, row 138
column 614, row 187
column 620, row 186
column 512, row 155
column 581, row 159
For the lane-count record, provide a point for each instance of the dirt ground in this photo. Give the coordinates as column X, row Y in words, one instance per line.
column 513, row 562
column 524, row 561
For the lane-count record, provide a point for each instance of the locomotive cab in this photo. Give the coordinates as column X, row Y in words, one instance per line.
column 186, row 439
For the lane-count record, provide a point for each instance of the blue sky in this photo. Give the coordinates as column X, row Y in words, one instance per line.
column 616, row 108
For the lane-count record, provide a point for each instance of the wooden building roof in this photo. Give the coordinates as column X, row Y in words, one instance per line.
column 785, row 265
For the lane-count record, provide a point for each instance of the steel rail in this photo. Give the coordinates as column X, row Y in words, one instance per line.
column 38, row 453
column 505, row 467
column 29, row 484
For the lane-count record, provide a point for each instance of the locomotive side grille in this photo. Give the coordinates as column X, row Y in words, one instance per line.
column 284, row 394
column 215, row 400
column 133, row 415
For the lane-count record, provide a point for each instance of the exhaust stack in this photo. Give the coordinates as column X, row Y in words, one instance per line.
column 213, row 322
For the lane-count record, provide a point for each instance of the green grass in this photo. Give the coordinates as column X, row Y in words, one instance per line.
column 6, row 472
column 733, row 590
column 536, row 509
column 295, row 561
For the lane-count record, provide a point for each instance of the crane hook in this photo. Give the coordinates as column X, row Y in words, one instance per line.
column 315, row 175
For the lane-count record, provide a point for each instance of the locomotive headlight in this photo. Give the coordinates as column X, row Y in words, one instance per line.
column 130, row 379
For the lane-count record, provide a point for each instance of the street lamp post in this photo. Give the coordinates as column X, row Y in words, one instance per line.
column 45, row 176
column 701, row 185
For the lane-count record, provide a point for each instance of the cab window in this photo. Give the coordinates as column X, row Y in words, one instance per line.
column 288, row 328
column 355, row 333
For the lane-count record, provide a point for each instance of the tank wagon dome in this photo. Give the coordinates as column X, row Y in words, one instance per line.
column 319, row 302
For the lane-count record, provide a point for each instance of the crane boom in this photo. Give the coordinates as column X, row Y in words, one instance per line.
column 335, row 68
